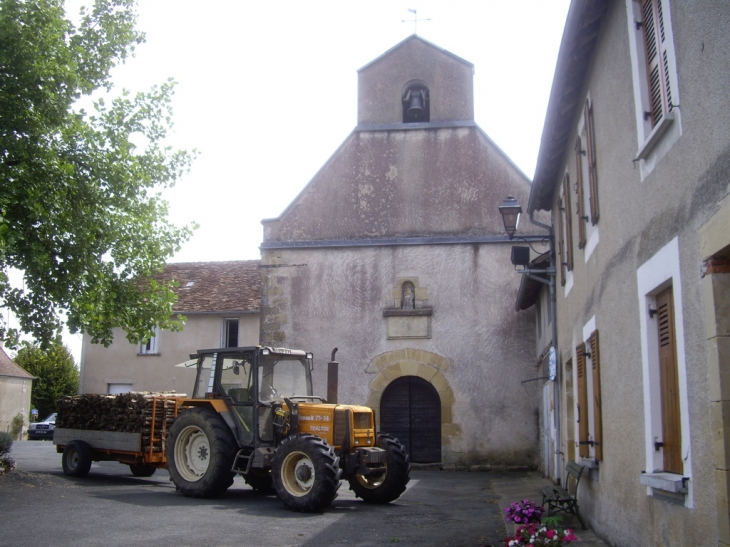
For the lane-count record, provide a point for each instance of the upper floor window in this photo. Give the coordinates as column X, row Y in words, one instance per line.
column 230, row 333
column 655, row 79
column 586, row 181
column 151, row 346
column 416, row 103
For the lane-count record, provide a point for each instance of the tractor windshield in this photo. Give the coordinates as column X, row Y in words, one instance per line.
column 283, row 376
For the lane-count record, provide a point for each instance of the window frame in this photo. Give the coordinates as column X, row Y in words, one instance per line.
column 225, row 332
column 654, row 139
column 656, row 274
column 151, row 346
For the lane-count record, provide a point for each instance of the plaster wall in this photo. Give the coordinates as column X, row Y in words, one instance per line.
column 638, row 219
column 14, row 400
column 449, row 78
column 121, row 362
column 318, row 299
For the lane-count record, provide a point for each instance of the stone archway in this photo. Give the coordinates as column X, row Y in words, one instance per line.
column 391, row 365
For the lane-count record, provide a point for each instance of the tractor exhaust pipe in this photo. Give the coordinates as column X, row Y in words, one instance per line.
column 332, row 379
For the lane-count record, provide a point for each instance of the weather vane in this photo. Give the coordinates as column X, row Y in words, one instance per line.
column 415, row 20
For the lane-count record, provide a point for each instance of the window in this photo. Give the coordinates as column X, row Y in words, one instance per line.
column 586, row 181
column 568, row 215
column 667, row 447
column 230, row 333
column 655, row 81
column 151, row 346
column 589, row 409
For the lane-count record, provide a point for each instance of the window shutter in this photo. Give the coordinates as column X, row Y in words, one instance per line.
column 580, row 209
column 656, row 60
column 561, row 242
column 583, row 450
column 568, row 223
column 597, row 414
column 591, row 157
column 669, row 381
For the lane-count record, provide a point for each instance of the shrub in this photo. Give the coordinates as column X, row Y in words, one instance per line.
column 6, row 442
column 16, row 426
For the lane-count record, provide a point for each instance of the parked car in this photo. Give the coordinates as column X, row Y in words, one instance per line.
column 42, row 430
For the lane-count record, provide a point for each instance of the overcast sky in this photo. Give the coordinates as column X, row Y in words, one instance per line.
column 267, row 91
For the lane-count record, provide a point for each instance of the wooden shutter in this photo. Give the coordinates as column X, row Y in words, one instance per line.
column 597, row 414
column 669, row 378
column 657, row 60
column 568, row 223
column 583, row 450
column 591, row 157
column 580, row 207
column 561, row 242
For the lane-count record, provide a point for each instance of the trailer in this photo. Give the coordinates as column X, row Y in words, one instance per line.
column 144, row 451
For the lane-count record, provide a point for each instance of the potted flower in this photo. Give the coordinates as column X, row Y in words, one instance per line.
column 536, row 535
column 524, row 512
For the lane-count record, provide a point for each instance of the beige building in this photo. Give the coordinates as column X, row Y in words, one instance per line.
column 634, row 166
column 15, row 389
column 394, row 253
column 221, row 303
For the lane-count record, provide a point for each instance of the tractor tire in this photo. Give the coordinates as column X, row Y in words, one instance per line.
column 76, row 459
column 142, row 470
column 200, row 453
column 260, row 480
column 306, row 473
column 388, row 487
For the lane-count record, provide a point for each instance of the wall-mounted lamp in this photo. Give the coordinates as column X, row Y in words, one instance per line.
column 510, row 211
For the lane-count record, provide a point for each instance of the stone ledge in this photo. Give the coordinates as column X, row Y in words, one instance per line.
column 399, row 312
column 669, row 482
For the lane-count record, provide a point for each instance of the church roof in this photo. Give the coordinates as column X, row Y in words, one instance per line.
column 411, row 38
column 9, row 368
column 216, row 287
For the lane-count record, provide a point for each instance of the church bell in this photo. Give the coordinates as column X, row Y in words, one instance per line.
column 415, row 108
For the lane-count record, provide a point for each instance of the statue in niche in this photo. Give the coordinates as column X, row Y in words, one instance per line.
column 408, row 300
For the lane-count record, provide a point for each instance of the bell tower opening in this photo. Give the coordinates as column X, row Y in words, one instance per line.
column 416, row 102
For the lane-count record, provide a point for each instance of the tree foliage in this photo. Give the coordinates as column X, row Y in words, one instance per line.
column 80, row 208
column 55, row 371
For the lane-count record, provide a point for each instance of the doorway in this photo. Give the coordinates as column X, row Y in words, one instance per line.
column 410, row 409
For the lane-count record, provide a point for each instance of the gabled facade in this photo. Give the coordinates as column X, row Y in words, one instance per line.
column 221, row 302
column 395, row 254
column 15, row 389
column 634, row 167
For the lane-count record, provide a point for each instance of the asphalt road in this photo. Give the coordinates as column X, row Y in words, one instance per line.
column 40, row 506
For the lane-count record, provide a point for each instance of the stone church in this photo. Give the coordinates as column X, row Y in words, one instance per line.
column 395, row 253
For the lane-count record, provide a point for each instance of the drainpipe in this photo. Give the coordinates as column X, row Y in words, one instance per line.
column 552, row 273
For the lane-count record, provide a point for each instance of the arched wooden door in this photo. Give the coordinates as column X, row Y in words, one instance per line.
column 410, row 409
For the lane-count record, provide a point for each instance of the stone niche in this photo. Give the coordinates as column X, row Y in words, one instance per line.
column 409, row 317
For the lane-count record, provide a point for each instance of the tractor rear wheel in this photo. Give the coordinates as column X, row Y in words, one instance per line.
column 306, row 473
column 200, row 453
column 389, row 486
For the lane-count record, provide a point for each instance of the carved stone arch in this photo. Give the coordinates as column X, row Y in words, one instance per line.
column 392, row 365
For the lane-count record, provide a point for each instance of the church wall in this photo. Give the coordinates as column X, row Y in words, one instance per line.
column 476, row 355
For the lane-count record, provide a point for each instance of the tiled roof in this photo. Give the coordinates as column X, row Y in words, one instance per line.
column 8, row 368
column 206, row 287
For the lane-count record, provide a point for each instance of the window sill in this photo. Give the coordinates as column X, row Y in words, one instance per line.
column 669, row 482
column 148, row 355
column 589, row 463
column 655, row 136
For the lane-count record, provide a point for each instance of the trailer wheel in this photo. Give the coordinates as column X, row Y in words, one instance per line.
column 388, row 487
column 200, row 453
column 306, row 473
column 76, row 459
column 260, row 480
column 142, row 470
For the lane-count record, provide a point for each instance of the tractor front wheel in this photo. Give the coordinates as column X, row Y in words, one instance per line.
column 306, row 473
column 200, row 453
column 390, row 485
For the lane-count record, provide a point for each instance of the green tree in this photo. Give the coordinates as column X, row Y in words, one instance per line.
column 80, row 208
column 55, row 371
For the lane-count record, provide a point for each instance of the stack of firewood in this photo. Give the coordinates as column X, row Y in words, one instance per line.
column 127, row 413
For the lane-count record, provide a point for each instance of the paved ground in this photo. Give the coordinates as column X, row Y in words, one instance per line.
column 39, row 505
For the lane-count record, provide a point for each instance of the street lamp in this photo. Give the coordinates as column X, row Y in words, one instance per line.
column 510, row 211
